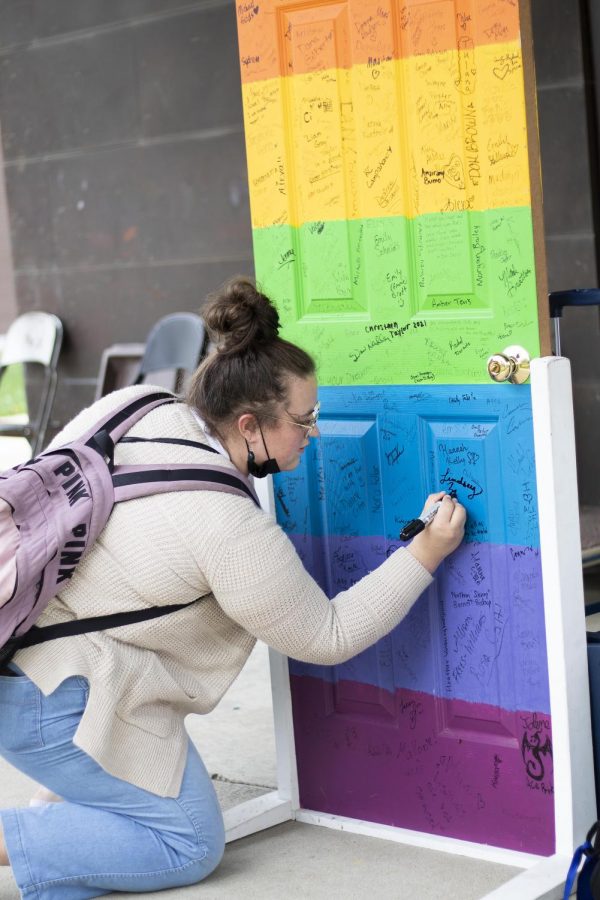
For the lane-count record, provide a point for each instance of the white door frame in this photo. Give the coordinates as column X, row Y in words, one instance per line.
column 562, row 578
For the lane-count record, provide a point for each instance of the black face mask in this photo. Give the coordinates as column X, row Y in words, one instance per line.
column 261, row 470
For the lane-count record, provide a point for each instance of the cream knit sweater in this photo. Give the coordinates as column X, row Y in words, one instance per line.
column 174, row 548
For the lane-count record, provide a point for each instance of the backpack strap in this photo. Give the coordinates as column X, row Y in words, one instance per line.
column 124, row 417
column 40, row 634
column 181, row 441
column 143, row 480
column 105, row 433
column 130, row 482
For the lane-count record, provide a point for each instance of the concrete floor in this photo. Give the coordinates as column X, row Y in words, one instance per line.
column 292, row 860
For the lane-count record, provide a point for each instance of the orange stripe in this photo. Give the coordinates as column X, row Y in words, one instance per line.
column 280, row 37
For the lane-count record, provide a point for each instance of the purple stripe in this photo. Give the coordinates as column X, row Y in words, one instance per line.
column 446, row 767
column 477, row 635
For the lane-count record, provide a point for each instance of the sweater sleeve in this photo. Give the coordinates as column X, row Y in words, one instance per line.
column 260, row 582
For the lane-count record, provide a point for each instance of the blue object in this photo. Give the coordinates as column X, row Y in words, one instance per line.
column 593, row 653
column 585, row 889
column 578, row 297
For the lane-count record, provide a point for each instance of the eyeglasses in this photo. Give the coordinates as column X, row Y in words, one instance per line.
column 309, row 426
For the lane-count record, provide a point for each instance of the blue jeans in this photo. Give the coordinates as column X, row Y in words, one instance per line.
column 108, row 835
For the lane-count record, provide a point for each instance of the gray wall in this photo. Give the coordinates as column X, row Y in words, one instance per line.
column 124, row 163
column 8, row 300
column 565, row 47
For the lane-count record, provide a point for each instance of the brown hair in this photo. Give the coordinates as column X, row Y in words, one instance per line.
column 247, row 373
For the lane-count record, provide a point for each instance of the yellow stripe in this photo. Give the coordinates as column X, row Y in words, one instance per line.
column 401, row 137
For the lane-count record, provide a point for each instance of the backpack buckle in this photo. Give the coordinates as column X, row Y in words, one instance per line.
column 102, row 442
column 8, row 650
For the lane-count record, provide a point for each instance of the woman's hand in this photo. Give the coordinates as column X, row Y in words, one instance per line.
column 443, row 534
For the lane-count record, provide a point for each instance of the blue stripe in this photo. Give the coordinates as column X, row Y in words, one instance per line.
column 383, row 449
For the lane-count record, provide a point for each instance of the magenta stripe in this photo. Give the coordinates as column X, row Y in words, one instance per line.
column 409, row 759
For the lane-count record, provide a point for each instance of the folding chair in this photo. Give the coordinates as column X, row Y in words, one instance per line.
column 33, row 338
column 176, row 343
column 119, row 365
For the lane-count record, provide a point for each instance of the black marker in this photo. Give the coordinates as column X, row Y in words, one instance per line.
column 416, row 526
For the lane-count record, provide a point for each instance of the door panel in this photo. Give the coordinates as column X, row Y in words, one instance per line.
column 445, row 724
column 388, row 160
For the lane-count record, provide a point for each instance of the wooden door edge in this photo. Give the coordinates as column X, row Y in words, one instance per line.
column 535, row 176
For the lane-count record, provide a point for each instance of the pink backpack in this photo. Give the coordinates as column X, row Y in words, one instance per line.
column 53, row 508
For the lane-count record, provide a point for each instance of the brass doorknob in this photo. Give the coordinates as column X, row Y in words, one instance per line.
column 510, row 365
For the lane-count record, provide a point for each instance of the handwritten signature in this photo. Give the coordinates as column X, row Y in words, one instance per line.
column 451, row 480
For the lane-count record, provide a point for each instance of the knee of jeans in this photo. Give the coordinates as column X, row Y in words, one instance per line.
column 203, row 859
column 215, row 845
column 215, row 850
column 208, row 844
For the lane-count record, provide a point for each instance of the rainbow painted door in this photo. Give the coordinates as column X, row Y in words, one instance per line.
column 389, row 161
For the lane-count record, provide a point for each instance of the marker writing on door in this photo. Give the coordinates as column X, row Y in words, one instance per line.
column 416, row 526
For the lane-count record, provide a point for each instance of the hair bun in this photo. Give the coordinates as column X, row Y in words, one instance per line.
column 239, row 316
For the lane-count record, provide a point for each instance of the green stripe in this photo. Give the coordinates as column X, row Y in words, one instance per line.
column 404, row 301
